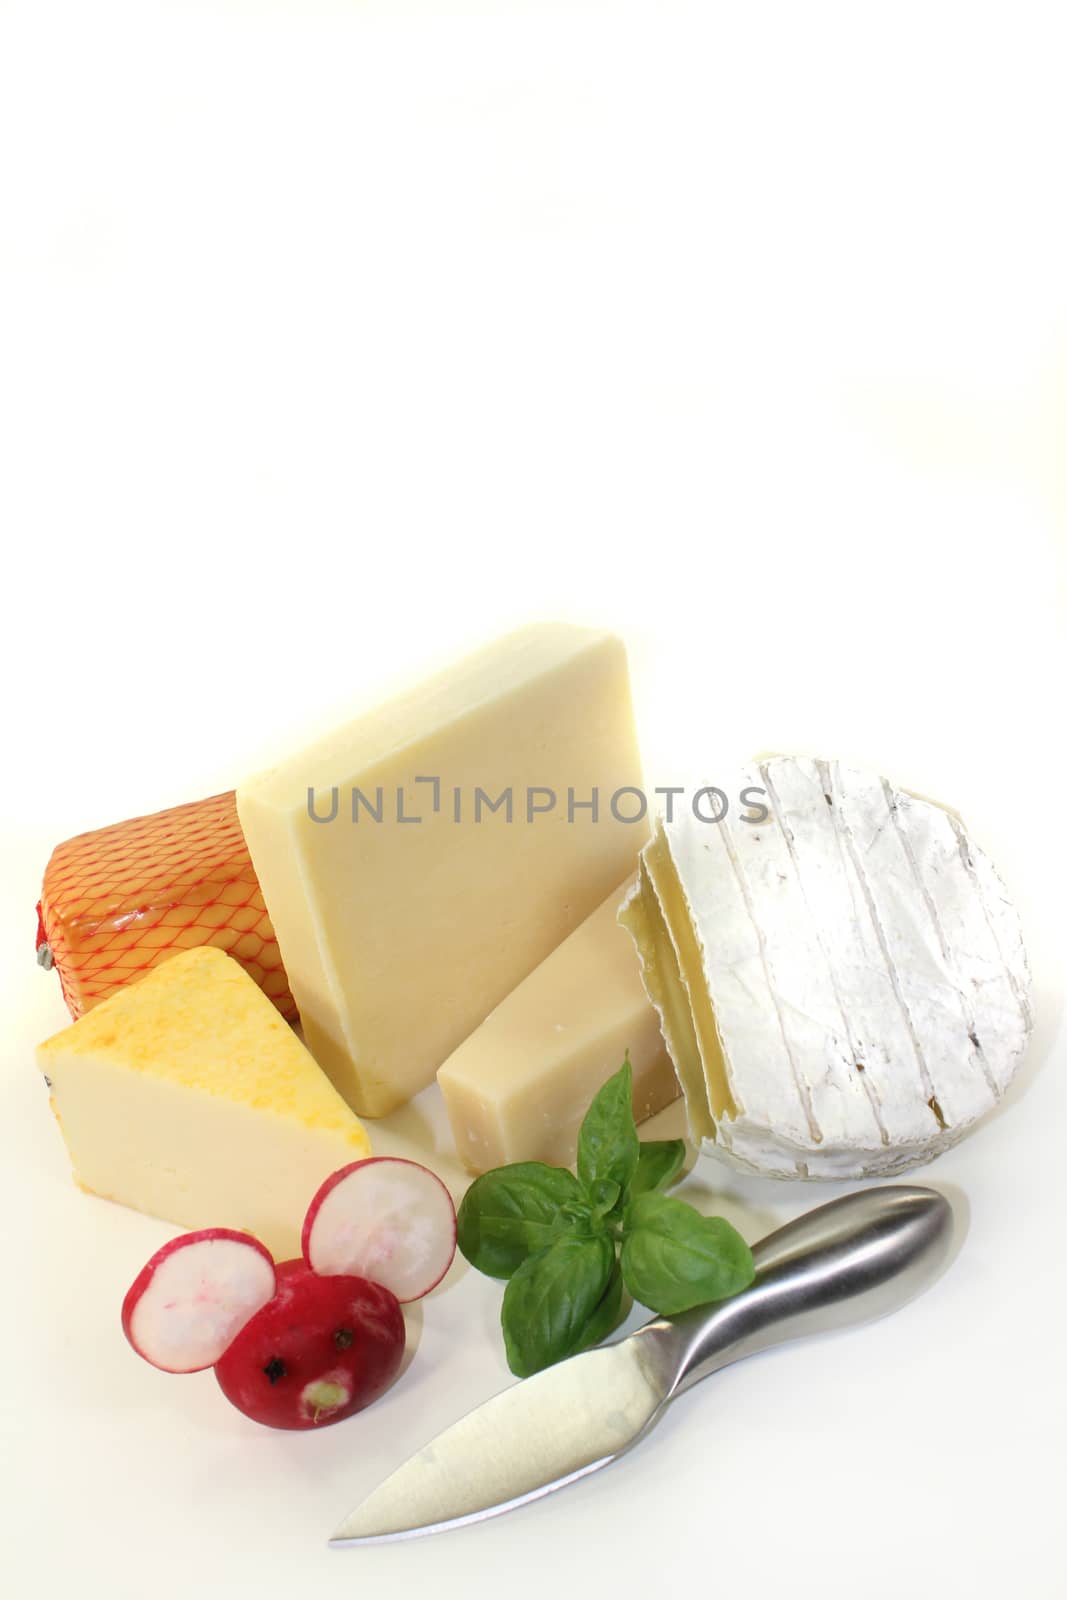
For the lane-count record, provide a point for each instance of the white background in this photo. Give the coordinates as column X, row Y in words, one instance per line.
column 337, row 337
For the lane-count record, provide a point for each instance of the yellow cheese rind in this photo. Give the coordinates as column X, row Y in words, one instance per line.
column 518, row 1087
column 187, row 1096
column 399, row 937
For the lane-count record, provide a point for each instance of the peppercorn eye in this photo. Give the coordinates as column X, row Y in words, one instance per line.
column 274, row 1369
column 343, row 1338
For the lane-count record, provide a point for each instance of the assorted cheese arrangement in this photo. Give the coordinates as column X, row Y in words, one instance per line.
column 448, row 889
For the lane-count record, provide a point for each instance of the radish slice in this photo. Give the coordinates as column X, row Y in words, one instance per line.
column 185, row 1308
column 385, row 1219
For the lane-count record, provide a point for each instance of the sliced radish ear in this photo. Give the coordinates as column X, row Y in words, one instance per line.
column 188, row 1304
column 385, row 1219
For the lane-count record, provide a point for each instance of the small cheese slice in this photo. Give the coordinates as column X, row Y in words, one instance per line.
column 418, row 863
column 518, row 1087
column 187, row 1096
column 842, row 983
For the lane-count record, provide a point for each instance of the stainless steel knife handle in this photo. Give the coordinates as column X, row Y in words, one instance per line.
column 841, row 1264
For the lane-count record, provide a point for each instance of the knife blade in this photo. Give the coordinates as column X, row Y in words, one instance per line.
column 842, row 1264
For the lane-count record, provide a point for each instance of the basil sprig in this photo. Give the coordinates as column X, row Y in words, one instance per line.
column 575, row 1248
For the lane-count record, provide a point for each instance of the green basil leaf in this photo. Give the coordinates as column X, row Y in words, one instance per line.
column 674, row 1258
column 578, row 1215
column 512, row 1213
column 613, row 1308
column 608, row 1146
column 551, row 1300
column 604, row 1195
column 658, row 1164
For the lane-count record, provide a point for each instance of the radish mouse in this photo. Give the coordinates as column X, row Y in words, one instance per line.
column 311, row 1341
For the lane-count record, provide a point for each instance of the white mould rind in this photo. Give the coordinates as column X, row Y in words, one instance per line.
column 866, row 969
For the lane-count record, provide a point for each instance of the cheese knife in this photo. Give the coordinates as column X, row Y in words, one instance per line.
column 837, row 1266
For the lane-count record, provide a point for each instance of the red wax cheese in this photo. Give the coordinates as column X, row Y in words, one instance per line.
column 121, row 899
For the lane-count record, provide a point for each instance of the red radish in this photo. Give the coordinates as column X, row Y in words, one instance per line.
column 186, row 1306
column 386, row 1219
column 322, row 1349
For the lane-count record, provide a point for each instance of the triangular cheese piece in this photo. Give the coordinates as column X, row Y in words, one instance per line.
column 187, row 1096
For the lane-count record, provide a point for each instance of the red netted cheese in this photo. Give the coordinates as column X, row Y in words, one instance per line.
column 120, row 900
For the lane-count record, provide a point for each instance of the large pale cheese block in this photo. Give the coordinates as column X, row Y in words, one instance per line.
column 518, row 1087
column 407, row 901
column 839, row 971
column 187, row 1096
